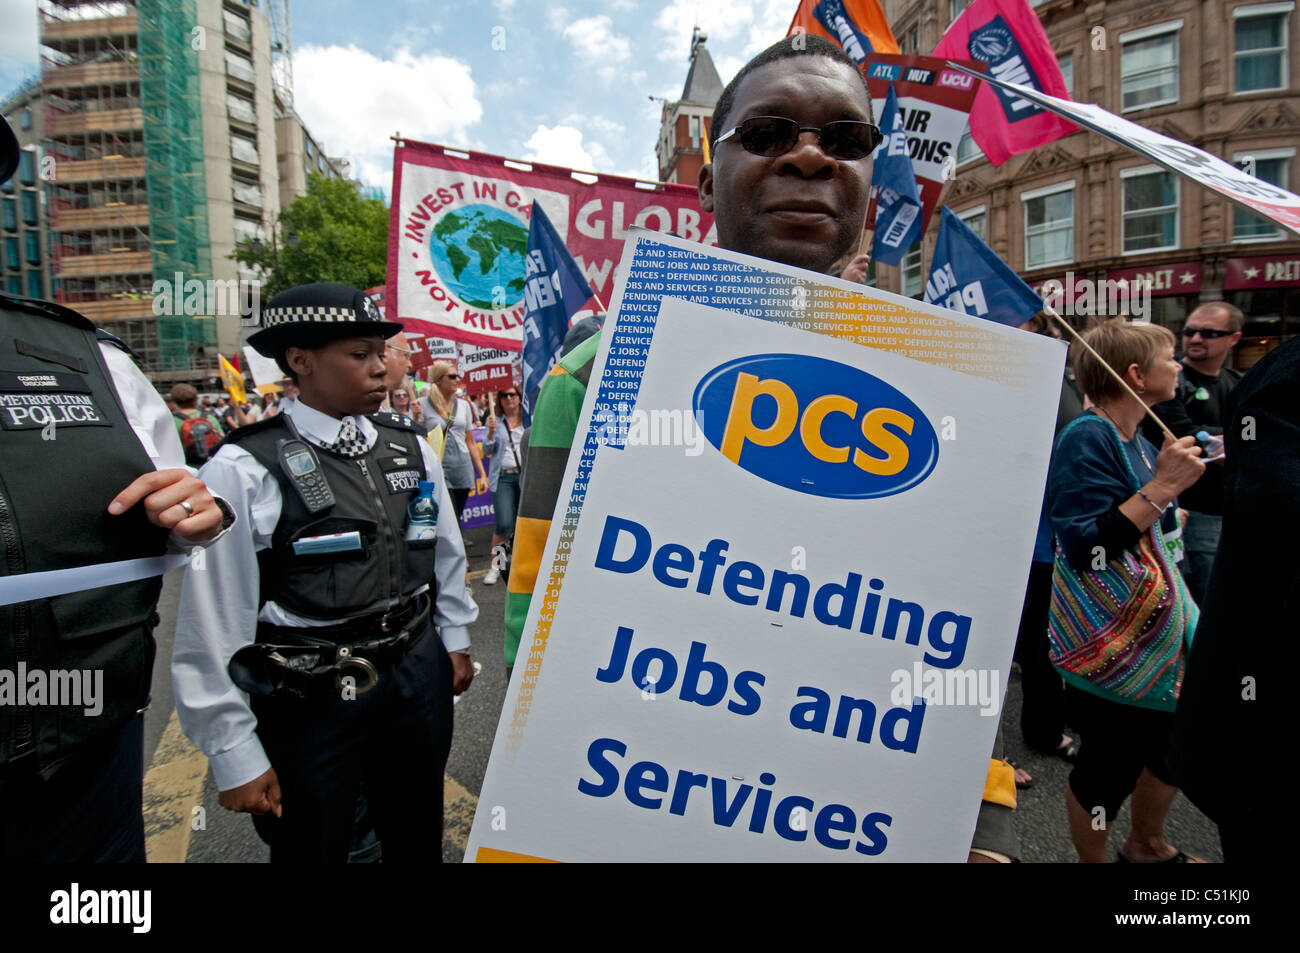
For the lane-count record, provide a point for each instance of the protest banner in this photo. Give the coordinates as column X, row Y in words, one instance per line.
column 1273, row 202
column 895, row 197
column 426, row 350
column 232, row 380
column 860, row 27
column 458, row 233
column 556, row 289
column 1008, row 38
column 264, row 370
column 486, row 369
column 935, row 102
column 771, row 573
column 478, row 506
column 968, row 276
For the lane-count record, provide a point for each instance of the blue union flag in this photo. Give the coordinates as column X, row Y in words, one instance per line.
column 898, row 201
column 554, row 289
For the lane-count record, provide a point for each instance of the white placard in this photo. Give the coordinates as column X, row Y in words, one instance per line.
column 831, row 591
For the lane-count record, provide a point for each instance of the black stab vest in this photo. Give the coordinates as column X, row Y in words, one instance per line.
column 66, row 449
column 371, row 496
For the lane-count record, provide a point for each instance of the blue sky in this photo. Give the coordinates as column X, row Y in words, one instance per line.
column 560, row 82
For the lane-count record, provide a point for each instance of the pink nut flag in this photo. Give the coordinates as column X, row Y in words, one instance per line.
column 1007, row 35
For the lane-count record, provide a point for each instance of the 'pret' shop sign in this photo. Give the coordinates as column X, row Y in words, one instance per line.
column 1266, row 271
column 1181, row 278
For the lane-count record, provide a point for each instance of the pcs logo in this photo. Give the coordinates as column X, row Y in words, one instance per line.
column 815, row 426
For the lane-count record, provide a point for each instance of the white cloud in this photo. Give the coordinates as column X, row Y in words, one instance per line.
column 564, row 146
column 352, row 101
column 755, row 24
column 600, row 124
column 595, row 41
column 557, row 18
column 19, row 43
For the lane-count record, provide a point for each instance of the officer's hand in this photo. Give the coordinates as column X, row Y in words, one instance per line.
column 462, row 672
column 258, row 796
column 162, row 492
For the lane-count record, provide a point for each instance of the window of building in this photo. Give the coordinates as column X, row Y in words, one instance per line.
column 246, row 230
column 33, row 243
column 1267, row 165
column 977, row 219
column 1260, row 46
column 1066, row 61
column 1049, row 225
column 9, row 215
column 955, row 8
column 1150, row 209
column 240, row 109
column 967, row 150
column 12, row 258
column 30, row 212
column 1149, row 66
column 34, row 288
column 912, row 283
column 320, row 162
column 14, row 284
column 27, row 167
column 25, row 120
column 249, row 193
column 308, row 146
column 243, row 149
column 240, row 67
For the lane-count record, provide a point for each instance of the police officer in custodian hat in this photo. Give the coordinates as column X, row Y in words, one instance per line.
column 312, row 649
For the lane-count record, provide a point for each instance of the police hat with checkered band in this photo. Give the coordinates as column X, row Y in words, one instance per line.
column 313, row 315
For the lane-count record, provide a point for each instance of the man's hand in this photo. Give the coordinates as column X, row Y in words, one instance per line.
column 258, row 796
column 856, row 270
column 462, row 672
column 162, row 492
column 481, row 485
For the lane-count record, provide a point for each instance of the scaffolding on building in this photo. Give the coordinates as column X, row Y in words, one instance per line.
column 127, row 198
column 173, row 139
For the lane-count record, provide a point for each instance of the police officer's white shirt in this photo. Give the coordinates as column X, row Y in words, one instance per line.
column 219, row 601
column 146, row 412
column 153, row 424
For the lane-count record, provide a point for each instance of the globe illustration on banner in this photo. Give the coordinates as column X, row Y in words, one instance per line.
column 478, row 252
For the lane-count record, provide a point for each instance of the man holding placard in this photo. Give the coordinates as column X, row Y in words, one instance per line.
column 789, row 183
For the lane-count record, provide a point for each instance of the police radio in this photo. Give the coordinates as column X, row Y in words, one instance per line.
column 298, row 460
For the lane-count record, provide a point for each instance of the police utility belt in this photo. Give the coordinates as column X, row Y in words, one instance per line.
column 287, row 662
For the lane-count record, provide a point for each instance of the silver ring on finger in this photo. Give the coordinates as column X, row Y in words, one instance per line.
column 185, row 505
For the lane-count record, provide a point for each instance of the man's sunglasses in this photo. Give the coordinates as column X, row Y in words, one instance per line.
column 772, row 136
column 1208, row 334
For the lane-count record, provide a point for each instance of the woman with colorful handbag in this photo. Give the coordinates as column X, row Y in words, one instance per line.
column 1121, row 618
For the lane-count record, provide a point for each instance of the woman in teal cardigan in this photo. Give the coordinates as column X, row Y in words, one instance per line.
column 1121, row 617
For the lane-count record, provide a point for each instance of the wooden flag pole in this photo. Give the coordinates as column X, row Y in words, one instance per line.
column 1110, row 370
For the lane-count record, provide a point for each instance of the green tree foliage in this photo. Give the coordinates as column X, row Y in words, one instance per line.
column 329, row 234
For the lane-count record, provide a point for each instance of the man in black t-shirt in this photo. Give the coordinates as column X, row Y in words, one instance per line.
column 1211, row 331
